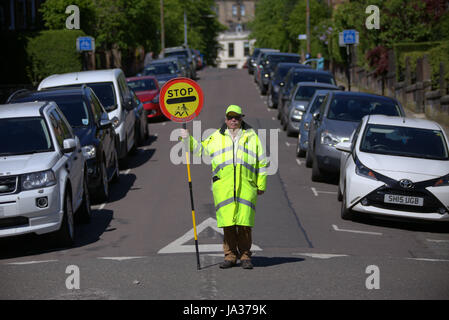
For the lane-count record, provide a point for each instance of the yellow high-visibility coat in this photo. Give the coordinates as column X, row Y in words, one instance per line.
column 236, row 176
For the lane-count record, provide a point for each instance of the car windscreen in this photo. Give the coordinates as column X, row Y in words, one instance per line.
column 142, row 85
column 315, row 106
column 105, row 93
column 156, row 69
column 275, row 59
column 73, row 108
column 404, row 141
column 354, row 108
column 25, row 136
column 281, row 72
column 176, row 53
column 313, row 77
column 306, row 92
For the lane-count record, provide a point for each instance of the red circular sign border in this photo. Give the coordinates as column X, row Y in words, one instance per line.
column 164, row 89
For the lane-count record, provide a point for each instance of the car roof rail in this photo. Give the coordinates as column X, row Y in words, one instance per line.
column 15, row 93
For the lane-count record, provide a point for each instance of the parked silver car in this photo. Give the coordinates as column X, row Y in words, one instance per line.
column 303, row 135
column 338, row 117
column 297, row 103
column 42, row 173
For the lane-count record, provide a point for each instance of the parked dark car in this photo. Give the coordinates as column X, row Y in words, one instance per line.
column 277, row 81
column 182, row 53
column 251, row 60
column 269, row 62
column 258, row 62
column 141, row 128
column 90, row 123
column 338, row 117
column 296, row 75
column 297, row 103
column 163, row 71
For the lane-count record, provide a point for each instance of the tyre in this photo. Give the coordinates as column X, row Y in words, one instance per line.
column 84, row 212
column 316, row 172
column 103, row 191
column 345, row 213
column 299, row 152
column 309, row 158
column 65, row 236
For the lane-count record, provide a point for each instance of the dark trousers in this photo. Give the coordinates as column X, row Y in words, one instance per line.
column 237, row 243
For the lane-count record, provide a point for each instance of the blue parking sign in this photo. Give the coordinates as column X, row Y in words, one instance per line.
column 350, row 37
column 85, row 44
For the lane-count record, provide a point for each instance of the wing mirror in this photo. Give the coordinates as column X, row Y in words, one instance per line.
column 344, row 146
column 105, row 123
column 68, row 145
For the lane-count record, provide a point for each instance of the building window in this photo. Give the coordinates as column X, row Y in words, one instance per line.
column 231, row 49
column 242, row 10
column 246, row 49
column 234, row 10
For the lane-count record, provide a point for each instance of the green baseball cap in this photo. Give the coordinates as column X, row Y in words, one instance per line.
column 234, row 108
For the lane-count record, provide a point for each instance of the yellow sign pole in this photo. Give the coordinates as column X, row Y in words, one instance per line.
column 184, row 126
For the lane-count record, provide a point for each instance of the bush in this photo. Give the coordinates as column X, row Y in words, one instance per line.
column 53, row 51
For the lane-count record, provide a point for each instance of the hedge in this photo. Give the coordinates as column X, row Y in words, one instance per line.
column 53, row 51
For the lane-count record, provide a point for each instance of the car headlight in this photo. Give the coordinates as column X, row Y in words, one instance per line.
column 329, row 139
column 297, row 114
column 443, row 181
column 363, row 171
column 37, row 180
column 266, row 75
column 89, row 152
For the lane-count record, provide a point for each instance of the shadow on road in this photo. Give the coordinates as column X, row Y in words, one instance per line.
column 273, row 261
column 32, row 245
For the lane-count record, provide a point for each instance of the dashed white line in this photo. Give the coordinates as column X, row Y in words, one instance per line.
column 427, row 259
column 120, row 258
column 315, row 193
column 30, row 262
column 273, row 118
column 298, row 162
column 287, row 144
column 356, row 231
column 438, row 241
column 320, row 255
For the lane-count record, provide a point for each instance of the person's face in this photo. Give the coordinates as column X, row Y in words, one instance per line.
column 233, row 120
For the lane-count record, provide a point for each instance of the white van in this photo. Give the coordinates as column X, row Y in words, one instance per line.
column 111, row 88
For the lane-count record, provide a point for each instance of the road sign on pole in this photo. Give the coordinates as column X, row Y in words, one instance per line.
column 348, row 37
column 181, row 100
column 85, row 44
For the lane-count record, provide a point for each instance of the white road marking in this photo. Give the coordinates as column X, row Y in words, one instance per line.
column 298, row 162
column 101, row 207
column 356, row 231
column 287, row 144
column 438, row 241
column 30, row 262
column 120, row 258
column 273, row 118
column 178, row 245
column 320, row 255
column 316, row 192
column 429, row 260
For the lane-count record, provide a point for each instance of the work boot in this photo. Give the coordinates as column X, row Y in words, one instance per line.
column 227, row 264
column 246, row 264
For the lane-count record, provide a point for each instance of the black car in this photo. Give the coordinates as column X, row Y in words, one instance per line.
column 296, row 75
column 269, row 62
column 277, row 81
column 91, row 125
column 251, row 60
column 163, row 71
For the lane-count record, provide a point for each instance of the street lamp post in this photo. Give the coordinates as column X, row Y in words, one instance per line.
column 162, row 27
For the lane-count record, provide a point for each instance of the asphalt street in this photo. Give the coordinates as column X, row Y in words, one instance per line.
column 139, row 244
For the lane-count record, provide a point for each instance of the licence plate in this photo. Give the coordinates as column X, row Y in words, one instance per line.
column 406, row 200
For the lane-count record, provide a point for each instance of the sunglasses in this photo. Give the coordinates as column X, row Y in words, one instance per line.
column 237, row 117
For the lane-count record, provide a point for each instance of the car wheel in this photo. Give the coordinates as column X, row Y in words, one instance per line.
column 103, row 191
column 316, row 172
column 84, row 213
column 299, row 152
column 65, row 236
column 346, row 213
column 309, row 158
column 116, row 176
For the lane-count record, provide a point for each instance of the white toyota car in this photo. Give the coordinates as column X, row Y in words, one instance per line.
column 397, row 167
